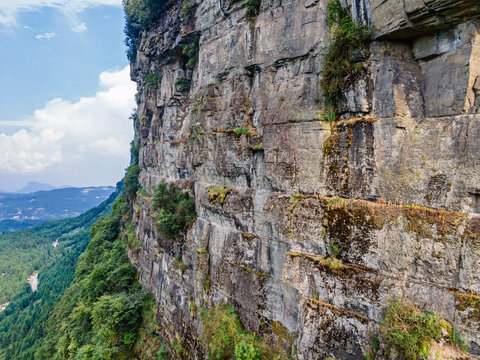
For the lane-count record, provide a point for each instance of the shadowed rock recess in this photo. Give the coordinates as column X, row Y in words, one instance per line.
column 390, row 191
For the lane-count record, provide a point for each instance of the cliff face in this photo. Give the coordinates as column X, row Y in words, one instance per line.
column 392, row 189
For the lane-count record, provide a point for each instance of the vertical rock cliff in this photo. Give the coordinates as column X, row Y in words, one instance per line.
column 390, row 191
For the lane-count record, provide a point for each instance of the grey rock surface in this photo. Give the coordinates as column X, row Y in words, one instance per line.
column 395, row 184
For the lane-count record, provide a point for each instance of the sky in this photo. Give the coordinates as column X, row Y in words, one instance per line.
column 65, row 93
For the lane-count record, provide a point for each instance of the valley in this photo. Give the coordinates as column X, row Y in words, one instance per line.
column 20, row 211
column 36, row 275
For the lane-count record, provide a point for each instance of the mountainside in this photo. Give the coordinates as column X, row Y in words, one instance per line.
column 22, row 324
column 23, row 252
column 19, row 211
column 332, row 153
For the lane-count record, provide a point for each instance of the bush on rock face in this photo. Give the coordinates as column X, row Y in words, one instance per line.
column 131, row 182
column 346, row 38
column 172, row 209
column 412, row 331
column 225, row 338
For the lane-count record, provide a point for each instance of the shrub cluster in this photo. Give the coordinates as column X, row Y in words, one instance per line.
column 173, row 210
column 139, row 16
column 457, row 338
column 411, row 331
column 152, row 80
column 252, row 10
column 183, row 84
column 217, row 194
column 347, row 36
column 241, row 131
column 135, row 149
column 191, row 51
column 224, row 337
column 131, row 182
column 186, row 10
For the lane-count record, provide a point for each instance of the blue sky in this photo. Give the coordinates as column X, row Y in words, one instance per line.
column 65, row 93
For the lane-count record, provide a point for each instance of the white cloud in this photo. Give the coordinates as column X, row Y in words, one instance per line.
column 80, row 28
column 29, row 152
column 109, row 146
column 46, row 36
column 64, row 132
column 9, row 9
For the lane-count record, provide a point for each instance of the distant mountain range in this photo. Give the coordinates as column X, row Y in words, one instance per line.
column 23, row 210
column 34, row 186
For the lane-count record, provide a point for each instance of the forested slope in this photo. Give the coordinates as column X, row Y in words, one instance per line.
column 24, row 251
column 22, row 323
column 104, row 312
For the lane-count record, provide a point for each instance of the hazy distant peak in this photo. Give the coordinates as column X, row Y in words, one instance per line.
column 34, row 186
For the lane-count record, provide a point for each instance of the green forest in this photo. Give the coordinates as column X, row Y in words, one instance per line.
column 25, row 251
column 22, row 323
column 92, row 308
column 100, row 315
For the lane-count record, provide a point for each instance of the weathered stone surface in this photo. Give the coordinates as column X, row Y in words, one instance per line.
column 403, row 19
column 408, row 135
column 450, row 67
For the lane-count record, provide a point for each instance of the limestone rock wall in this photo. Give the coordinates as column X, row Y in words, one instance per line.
column 395, row 184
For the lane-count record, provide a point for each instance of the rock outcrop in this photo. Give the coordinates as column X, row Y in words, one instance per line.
column 394, row 184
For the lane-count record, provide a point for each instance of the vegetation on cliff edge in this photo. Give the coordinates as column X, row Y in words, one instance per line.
column 412, row 331
column 139, row 16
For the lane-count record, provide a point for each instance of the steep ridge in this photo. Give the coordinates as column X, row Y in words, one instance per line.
column 230, row 108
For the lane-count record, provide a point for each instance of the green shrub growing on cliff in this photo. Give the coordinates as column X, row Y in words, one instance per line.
column 162, row 353
column 152, row 80
column 183, row 83
column 456, row 338
column 131, row 182
column 252, row 10
column 330, row 114
column 410, row 330
column 247, row 351
column 186, row 10
column 224, row 337
column 139, row 16
column 222, row 331
column 135, row 150
column 191, row 51
column 346, row 37
column 217, row 194
column 241, row 131
column 173, row 210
